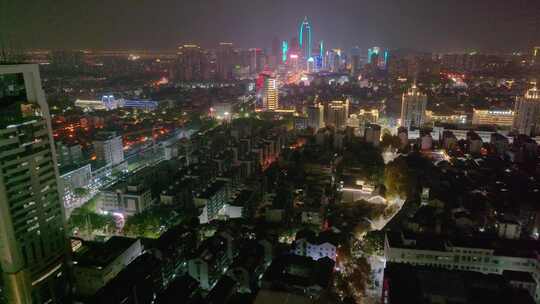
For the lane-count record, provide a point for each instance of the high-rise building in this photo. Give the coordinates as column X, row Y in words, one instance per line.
column 378, row 57
column 270, row 94
column 355, row 61
column 527, row 109
column 109, row 148
column 255, row 60
column 310, row 65
column 192, row 64
column 336, row 114
column 333, row 60
column 373, row 54
column 225, row 61
column 284, row 51
column 535, row 55
column 305, row 38
column 413, row 108
column 33, row 246
column 315, row 115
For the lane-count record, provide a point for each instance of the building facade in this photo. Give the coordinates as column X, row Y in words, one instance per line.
column 109, row 148
column 502, row 118
column 33, row 248
column 270, row 94
column 315, row 115
column 527, row 108
column 413, row 108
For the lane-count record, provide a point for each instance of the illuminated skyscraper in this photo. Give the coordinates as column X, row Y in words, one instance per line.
column 305, row 38
column 270, row 94
column 33, row 247
column 373, row 53
column 413, row 108
column 527, row 113
column 284, row 51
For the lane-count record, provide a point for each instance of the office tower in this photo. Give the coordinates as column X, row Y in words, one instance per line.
column 310, row 65
column 333, row 60
column 109, row 148
column 270, row 94
column 315, row 115
column 304, row 38
column 255, row 60
column 386, row 56
column 33, row 247
column 355, row 61
column 275, row 47
column 284, row 51
column 336, row 114
column 373, row 54
column 413, row 108
column 225, row 61
column 294, row 45
column 527, row 109
column 192, row 64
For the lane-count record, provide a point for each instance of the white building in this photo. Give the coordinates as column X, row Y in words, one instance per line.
column 321, row 246
column 109, row 148
column 128, row 200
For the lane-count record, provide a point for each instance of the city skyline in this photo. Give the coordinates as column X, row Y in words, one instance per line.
column 445, row 26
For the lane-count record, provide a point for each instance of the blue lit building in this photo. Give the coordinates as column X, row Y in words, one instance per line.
column 305, row 38
column 284, row 50
column 372, row 53
column 378, row 57
column 145, row 105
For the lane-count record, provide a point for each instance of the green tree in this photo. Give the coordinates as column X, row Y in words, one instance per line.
column 81, row 192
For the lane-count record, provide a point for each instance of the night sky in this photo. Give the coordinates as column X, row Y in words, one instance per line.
column 436, row 25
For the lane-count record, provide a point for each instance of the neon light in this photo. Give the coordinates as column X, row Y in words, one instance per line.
column 321, row 49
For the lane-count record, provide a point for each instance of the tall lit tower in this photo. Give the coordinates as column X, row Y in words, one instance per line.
column 33, row 247
column 413, row 108
column 527, row 109
column 304, row 38
column 284, row 50
column 373, row 53
column 270, row 93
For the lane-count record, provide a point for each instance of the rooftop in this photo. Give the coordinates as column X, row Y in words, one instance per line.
column 96, row 254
